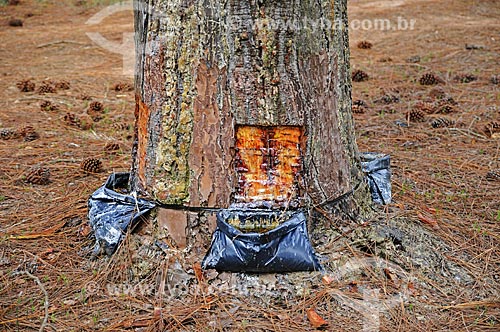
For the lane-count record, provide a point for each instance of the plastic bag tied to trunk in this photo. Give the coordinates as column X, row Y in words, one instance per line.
column 112, row 212
column 285, row 248
column 377, row 168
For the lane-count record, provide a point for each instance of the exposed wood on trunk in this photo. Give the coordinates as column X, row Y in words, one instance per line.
column 268, row 164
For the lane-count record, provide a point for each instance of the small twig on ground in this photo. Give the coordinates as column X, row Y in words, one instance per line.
column 59, row 42
column 46, row 302
column 474, row 304
column 468, row 132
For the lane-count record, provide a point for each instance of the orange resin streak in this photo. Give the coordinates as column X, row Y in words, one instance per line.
column 268, row 163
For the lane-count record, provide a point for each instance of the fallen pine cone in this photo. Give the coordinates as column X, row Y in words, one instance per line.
column 437, row 93
column 447, row 100
column 491, row 128
column 63, row 85
column 445, row 108
column 413, row 59
column 465, row 78
column 31, row 136
column 46, row 88
column 7, row 134
column 425, row 107
column 415, row 115
column 121, row 126
column 47, row 106
column 359, row 76
column 96, row 106
column 493, row 175
column 96, row 110
column 119, row 87
column 85, row 97
column 73, row 120
column 15, row 22
column 29, row 133
column 365, row 45
column 26, row 86
column 38, row 175
column 91, row 165
column 112, row 146
column 430, row 79
column 495, row 79
column 359, row 106
column 388, row 98
column 442, row 123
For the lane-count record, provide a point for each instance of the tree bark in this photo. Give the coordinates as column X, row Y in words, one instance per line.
column 245, row 103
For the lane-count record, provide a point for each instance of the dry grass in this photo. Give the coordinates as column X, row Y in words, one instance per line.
column 439, row 180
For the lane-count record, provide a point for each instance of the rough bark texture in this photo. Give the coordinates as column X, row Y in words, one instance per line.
column 206, row 68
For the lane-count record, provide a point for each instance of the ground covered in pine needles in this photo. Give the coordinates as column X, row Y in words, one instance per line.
column 429, row 97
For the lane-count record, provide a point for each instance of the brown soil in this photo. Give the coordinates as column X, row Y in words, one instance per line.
column 440, row 182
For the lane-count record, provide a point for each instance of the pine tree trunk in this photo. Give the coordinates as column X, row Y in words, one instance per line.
column 244, row 103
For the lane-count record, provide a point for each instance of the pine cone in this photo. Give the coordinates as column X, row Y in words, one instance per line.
column 425, row 107
column 31, row 136
column 95, row 110
column 465, row 78
column 442, row 123
column 38, row 175
column 112, row 146
column 121, row 126
column 449, row 101
column 388, row 98
column 415, row 115
column 357, row 109
column 360, row 102
column 73, row 120
column 359, row 76
column 430, row 79
column 495, row 79
column 46, row 88
column 85, row 97
column 8, row 133
column 437, row 93
column 364, row 44
column 63, row 85
column 493, row 175
column 96, row 106
column 413, row 59
column 13, row 2
column 91, row 165
column 29, row 133
column 26, row 86
column 445, row 108
column 15, row 22
column 119, row 87
column 47, row 106
column 492, row 128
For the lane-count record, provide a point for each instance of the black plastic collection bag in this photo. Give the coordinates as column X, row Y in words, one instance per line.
column 110, row 213
column 283, row 249
column 377, row 168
